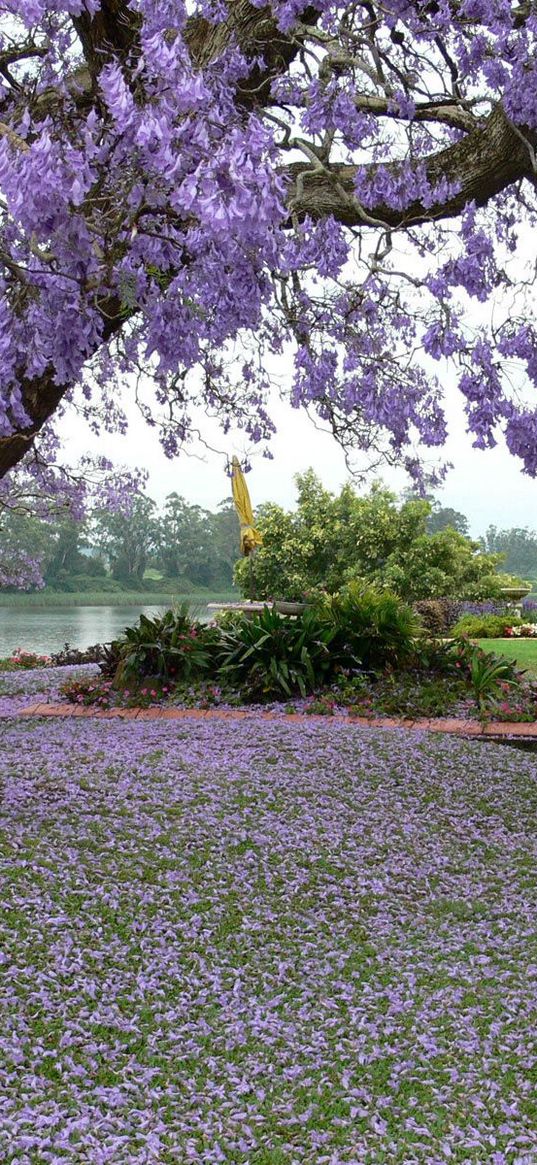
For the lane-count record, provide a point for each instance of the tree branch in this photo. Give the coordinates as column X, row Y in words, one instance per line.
column 485, row 162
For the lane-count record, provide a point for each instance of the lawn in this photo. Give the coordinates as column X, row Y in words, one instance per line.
column 268, row 943
column 523, row 650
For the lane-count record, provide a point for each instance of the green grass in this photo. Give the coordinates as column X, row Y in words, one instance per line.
column 114, row 598
column 524, row 651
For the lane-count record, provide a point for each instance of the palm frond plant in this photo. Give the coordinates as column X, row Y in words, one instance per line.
column 371, row 629
column 272, row 655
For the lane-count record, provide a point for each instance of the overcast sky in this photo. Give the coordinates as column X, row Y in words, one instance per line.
column 487, row 486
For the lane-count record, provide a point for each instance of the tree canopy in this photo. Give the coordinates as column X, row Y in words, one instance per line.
column 188, row 189
column 332, row 540
column 518, row 546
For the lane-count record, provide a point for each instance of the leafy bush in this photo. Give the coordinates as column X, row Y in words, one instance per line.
column 73, row 655
column 438, row 615
column 484, row 626
column 169, row 646
column 371, row 629
column 82, row 583
column 91, row 691
column 271, row 655
column 329, row 541
column 489, row 673
column 88, row 691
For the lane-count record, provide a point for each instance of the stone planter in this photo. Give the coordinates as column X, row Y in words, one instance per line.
column 239, row 608
column 513, row 597
column 284, row 608
column 515, row 594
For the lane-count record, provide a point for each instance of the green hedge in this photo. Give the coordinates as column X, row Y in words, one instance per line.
column 484, row 626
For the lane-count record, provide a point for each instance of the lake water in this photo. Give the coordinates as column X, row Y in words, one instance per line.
column 47, row 629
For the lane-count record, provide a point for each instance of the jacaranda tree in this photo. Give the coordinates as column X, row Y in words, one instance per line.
column 188, row 188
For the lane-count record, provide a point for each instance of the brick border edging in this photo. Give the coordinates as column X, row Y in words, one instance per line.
column 456, row 727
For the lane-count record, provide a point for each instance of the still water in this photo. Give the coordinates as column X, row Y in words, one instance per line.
column 47, row 629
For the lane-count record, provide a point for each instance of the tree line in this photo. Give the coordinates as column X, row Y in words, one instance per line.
column 415, row 545
column 180, row 544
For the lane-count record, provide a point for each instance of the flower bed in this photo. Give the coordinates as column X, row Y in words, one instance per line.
column 410, row 695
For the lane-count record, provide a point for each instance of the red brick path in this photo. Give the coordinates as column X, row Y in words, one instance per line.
column 458, row 727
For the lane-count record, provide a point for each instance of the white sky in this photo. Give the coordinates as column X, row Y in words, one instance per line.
column 487, row 486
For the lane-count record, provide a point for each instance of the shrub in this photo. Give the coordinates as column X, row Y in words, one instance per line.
column 372, row 629
column 438, row 615
column 272, row 655
column 484, row 626
column 489, row 674
column 88, row 691
column 26, row 660
column 83, row 583
column 169, row 646
column 73, row 655
column 91, row 691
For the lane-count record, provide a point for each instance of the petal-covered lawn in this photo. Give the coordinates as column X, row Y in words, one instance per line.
column 266, row 943
column 18, row 689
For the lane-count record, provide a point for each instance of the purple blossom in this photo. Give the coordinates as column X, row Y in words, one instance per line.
column 150, row 219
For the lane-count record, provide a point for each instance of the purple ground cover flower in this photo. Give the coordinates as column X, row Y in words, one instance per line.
column 301, row 943
column 19, row 689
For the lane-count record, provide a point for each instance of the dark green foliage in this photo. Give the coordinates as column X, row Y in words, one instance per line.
column 371, row 629
column 169, row 646
column 192, row 542
column 406, row 693
column 110, row 658
column 437, row 615
column 70, row 656
column 272, row 655
column 489, row 673
column 65, row 583
column 444, row 518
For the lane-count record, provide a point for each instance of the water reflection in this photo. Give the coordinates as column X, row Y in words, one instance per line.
column 46, row 629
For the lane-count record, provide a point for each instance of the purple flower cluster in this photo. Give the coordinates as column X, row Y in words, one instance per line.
column 161, row 194
column 295, row 943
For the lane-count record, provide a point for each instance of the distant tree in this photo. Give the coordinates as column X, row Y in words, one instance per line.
column 183, row 540
column 225, row 542
column 197, row 545
column 26, row 543
column 518, row 544
column 126, row 540
column 444, row 517
column 65, row 557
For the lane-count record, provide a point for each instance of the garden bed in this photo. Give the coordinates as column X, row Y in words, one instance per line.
column 392, row 701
